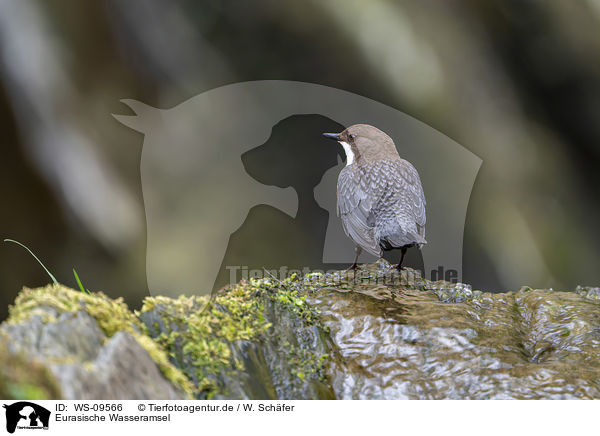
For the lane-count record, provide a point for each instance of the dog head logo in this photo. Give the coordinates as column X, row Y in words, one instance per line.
column 222, row 180
column 26, row 415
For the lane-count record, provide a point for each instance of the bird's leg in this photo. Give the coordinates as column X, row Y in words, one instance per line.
column 399, row 266
column 354, row 266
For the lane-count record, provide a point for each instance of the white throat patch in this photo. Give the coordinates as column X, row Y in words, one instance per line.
column 349, row 154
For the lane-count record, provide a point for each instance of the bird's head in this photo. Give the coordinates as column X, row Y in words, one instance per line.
column 364, row 143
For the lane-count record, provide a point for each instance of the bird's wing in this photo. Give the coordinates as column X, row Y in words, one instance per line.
column 411, row 193
column 362, row 187
column 354, row 206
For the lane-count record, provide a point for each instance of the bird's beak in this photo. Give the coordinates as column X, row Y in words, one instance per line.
column 334, row 136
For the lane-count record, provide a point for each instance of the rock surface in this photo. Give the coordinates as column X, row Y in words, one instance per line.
column 418, row 342
column 81, row 359
column 87, row 365
column 370, row 335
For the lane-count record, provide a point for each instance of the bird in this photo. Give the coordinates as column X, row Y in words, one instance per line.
column 380, row 199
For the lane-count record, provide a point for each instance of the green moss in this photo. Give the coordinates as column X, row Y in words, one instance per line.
column 199, row 337
column 290, row 294
column 304, row 363
column 194, row 340
column 111, row 315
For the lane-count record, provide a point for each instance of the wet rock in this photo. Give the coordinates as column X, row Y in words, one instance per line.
column 437, row 340
column 589, row 292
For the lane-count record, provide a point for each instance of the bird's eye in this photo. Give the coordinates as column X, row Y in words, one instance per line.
column 352, row 136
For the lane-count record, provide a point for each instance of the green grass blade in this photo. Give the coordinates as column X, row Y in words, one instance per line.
column 79, row 282
column 35, row 257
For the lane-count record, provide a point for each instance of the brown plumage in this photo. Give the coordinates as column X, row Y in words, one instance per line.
column 380, row 199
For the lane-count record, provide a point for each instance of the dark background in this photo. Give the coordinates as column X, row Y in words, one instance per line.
column 517, row 83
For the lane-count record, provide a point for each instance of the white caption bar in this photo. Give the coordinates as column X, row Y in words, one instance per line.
column 462, row 418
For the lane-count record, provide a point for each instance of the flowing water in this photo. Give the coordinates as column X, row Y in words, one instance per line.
column 435, row 340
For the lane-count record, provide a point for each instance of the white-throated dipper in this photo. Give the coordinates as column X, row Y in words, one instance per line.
column 379, row 195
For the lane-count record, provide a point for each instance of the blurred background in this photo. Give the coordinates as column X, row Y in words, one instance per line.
column 516, row 83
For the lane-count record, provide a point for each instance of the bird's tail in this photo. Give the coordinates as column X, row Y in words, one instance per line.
column 419, row 240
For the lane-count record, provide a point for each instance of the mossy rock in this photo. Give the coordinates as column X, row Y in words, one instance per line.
column 210, row 348
column 257, row 339
column 69, row 331
column 374, row 333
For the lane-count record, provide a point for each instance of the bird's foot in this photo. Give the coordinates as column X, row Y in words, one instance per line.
column 352, row 267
